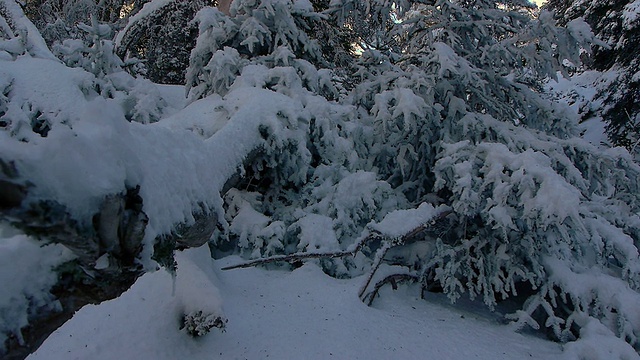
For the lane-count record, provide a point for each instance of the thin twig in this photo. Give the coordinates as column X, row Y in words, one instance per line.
column 373, row 235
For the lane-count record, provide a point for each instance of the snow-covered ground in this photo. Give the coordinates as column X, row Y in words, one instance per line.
column 89, row 149
column 303, row 314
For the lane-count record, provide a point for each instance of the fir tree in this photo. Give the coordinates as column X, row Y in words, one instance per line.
column 447, row 112
column 432, row 157
column 616, row 23
column 162, row 38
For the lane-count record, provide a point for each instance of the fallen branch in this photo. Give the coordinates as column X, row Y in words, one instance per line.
column 412, row 235
column 306, row 255
column 393, row 279
column 429, row 226
column 376, row 264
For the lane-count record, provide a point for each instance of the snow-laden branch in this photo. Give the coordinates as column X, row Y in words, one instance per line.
column 396, row 229
column 23, row 29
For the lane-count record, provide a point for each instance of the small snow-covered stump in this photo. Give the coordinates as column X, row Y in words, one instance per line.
column 198, row 299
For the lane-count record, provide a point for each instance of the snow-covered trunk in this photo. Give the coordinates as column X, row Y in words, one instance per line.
column 224, row 6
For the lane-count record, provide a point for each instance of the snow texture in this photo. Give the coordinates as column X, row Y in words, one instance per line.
column 458, row 120
column 98, row 155
column 29, row 35
column 400, row 222
column 316, row 234
column 597, row 342
column 26, row 276
column 630, row 15
column 303, row 314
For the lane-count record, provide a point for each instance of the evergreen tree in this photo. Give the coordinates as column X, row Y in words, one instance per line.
column 447, row 111
column 432, row 156
column 267, row 32
column 57, row 19
column 163, row 38
column 616, row 23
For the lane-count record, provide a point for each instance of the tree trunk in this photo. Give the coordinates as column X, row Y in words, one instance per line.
column 224, row 6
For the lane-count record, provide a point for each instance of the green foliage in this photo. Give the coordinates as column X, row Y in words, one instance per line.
column 198, row 324
column 265, row 32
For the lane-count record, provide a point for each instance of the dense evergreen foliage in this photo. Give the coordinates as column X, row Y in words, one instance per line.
column 616, row 23
column 415, row 135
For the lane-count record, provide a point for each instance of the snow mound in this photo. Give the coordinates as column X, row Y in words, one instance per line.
column 597, row 342
column 151, row 312
column 400, row 222
column 303, row 314
column 26, row 277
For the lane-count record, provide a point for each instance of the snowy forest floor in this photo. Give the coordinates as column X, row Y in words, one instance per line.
column 303, row 314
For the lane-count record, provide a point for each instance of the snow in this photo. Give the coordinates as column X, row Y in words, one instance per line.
column 596, row 342
column 247, row 223
column 581, row 31
column 25, row 283
column 580, row 93
column 630, row 15
column 303, row 314
column 183, row 161
column 200, row 146
column 400, row 222
column 611, row 292
column 174, row 96
column 148, row 9
column 204, row 117
column 30, row 36
column 316, row 234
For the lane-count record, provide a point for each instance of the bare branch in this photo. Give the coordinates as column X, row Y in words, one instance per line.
column 306, row 255
column 393, row 279
column 373, row 235
column 376, row 264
